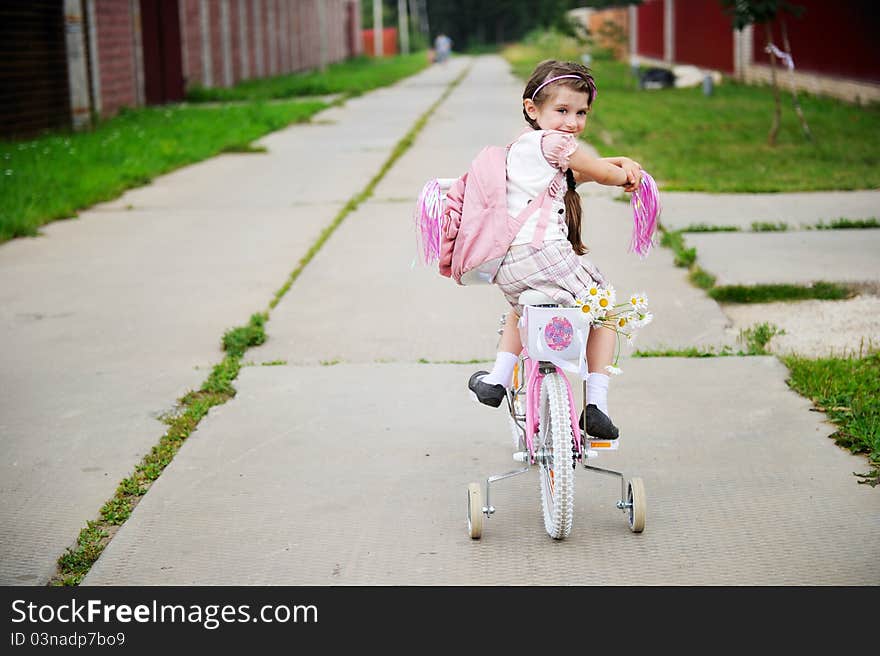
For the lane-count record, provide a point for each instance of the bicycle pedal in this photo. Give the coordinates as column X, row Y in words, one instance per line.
column 604, row 445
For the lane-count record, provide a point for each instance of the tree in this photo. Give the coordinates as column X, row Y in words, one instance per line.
column 478, row 22
column 756, row 12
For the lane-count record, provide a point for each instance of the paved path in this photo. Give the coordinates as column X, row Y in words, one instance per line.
column 108, row 319
column 355, row 472
column 683, row 209
column 752, row 258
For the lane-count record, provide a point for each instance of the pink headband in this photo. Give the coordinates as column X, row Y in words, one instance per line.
column 560, row 77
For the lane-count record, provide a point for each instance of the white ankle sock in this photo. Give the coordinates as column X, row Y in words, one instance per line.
column 597, row 391
column 502, row 372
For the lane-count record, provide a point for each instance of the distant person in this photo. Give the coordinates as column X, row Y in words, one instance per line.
column 442, row 48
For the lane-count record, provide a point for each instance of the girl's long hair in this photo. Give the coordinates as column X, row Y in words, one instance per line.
column 544, row 71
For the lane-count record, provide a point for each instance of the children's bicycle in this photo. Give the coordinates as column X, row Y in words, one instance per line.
column 545, row 421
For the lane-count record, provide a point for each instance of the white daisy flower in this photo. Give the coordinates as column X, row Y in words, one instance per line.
column 614, row 371
column 638, row 301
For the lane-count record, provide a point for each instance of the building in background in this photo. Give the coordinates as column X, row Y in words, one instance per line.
column 65, row 61
column 834, row 45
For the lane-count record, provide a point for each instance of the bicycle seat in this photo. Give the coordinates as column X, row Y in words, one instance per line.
column 534, row 297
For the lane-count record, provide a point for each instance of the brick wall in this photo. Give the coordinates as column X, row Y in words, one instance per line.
column 308, row 29
column 235, row 41
column 116, row 57
column 192, row 41
column 295, row 38
column 290, row 42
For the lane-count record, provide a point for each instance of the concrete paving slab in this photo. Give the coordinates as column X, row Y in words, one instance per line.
column 327, row 160
column 789, row 257
column 105, row 318
column 356, row 475
column 361, row 299
column 484, row 109
column 682, row 209
column 683, row 315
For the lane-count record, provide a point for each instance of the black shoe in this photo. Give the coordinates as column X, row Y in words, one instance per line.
column 598, row 424
column 485, row 393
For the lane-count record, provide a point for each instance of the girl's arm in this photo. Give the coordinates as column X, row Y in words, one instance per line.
column 587, row 168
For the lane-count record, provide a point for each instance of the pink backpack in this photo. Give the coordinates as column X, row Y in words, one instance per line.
column 464, row 226
column 468, row 231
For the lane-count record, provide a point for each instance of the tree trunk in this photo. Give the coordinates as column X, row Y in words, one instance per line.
column 797, row 104
column 774, row 128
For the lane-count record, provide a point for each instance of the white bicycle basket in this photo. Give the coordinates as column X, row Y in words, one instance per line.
column 557, row 335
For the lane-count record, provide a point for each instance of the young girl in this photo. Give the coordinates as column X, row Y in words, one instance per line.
column 556, row 101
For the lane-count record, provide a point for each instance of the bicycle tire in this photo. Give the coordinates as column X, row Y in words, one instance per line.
column 555, row 443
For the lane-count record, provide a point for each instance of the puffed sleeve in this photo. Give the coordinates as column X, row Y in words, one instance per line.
column 558, row 148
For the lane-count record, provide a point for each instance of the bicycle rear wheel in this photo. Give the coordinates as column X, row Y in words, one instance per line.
column 554, row 451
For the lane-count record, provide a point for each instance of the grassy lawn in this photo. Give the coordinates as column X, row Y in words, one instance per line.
column 55, row 175
column 848, row 391
column 691, row 142
column 350, row 77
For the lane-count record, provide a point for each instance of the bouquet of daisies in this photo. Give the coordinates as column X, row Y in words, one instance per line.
column 601, row 309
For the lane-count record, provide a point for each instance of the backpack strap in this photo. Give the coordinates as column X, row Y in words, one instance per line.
column 545, row 202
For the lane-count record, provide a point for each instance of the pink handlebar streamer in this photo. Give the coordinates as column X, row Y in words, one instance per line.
column 428, row 213
column 645, row 203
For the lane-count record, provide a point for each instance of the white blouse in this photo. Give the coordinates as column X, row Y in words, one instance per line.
column 532, row 162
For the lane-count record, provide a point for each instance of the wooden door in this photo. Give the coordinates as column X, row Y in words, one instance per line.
column 160, row 36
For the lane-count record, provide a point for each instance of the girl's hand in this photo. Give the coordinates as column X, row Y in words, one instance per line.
column 633, row 172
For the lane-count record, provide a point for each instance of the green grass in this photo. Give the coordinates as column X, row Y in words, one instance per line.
column 217, row 389
column 827, row 291
column 764, row 226
column 674, row 240
column 754, row 339
column 686, row 257
column 54, row 176
column 701, row 278
column 691, row 142
column 351, row 77
column 705, row 227
column 846, row 224
column 847, row 390
column 689, row 352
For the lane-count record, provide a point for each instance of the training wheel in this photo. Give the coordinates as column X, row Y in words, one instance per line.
column 636, row 505
column 475, row 511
